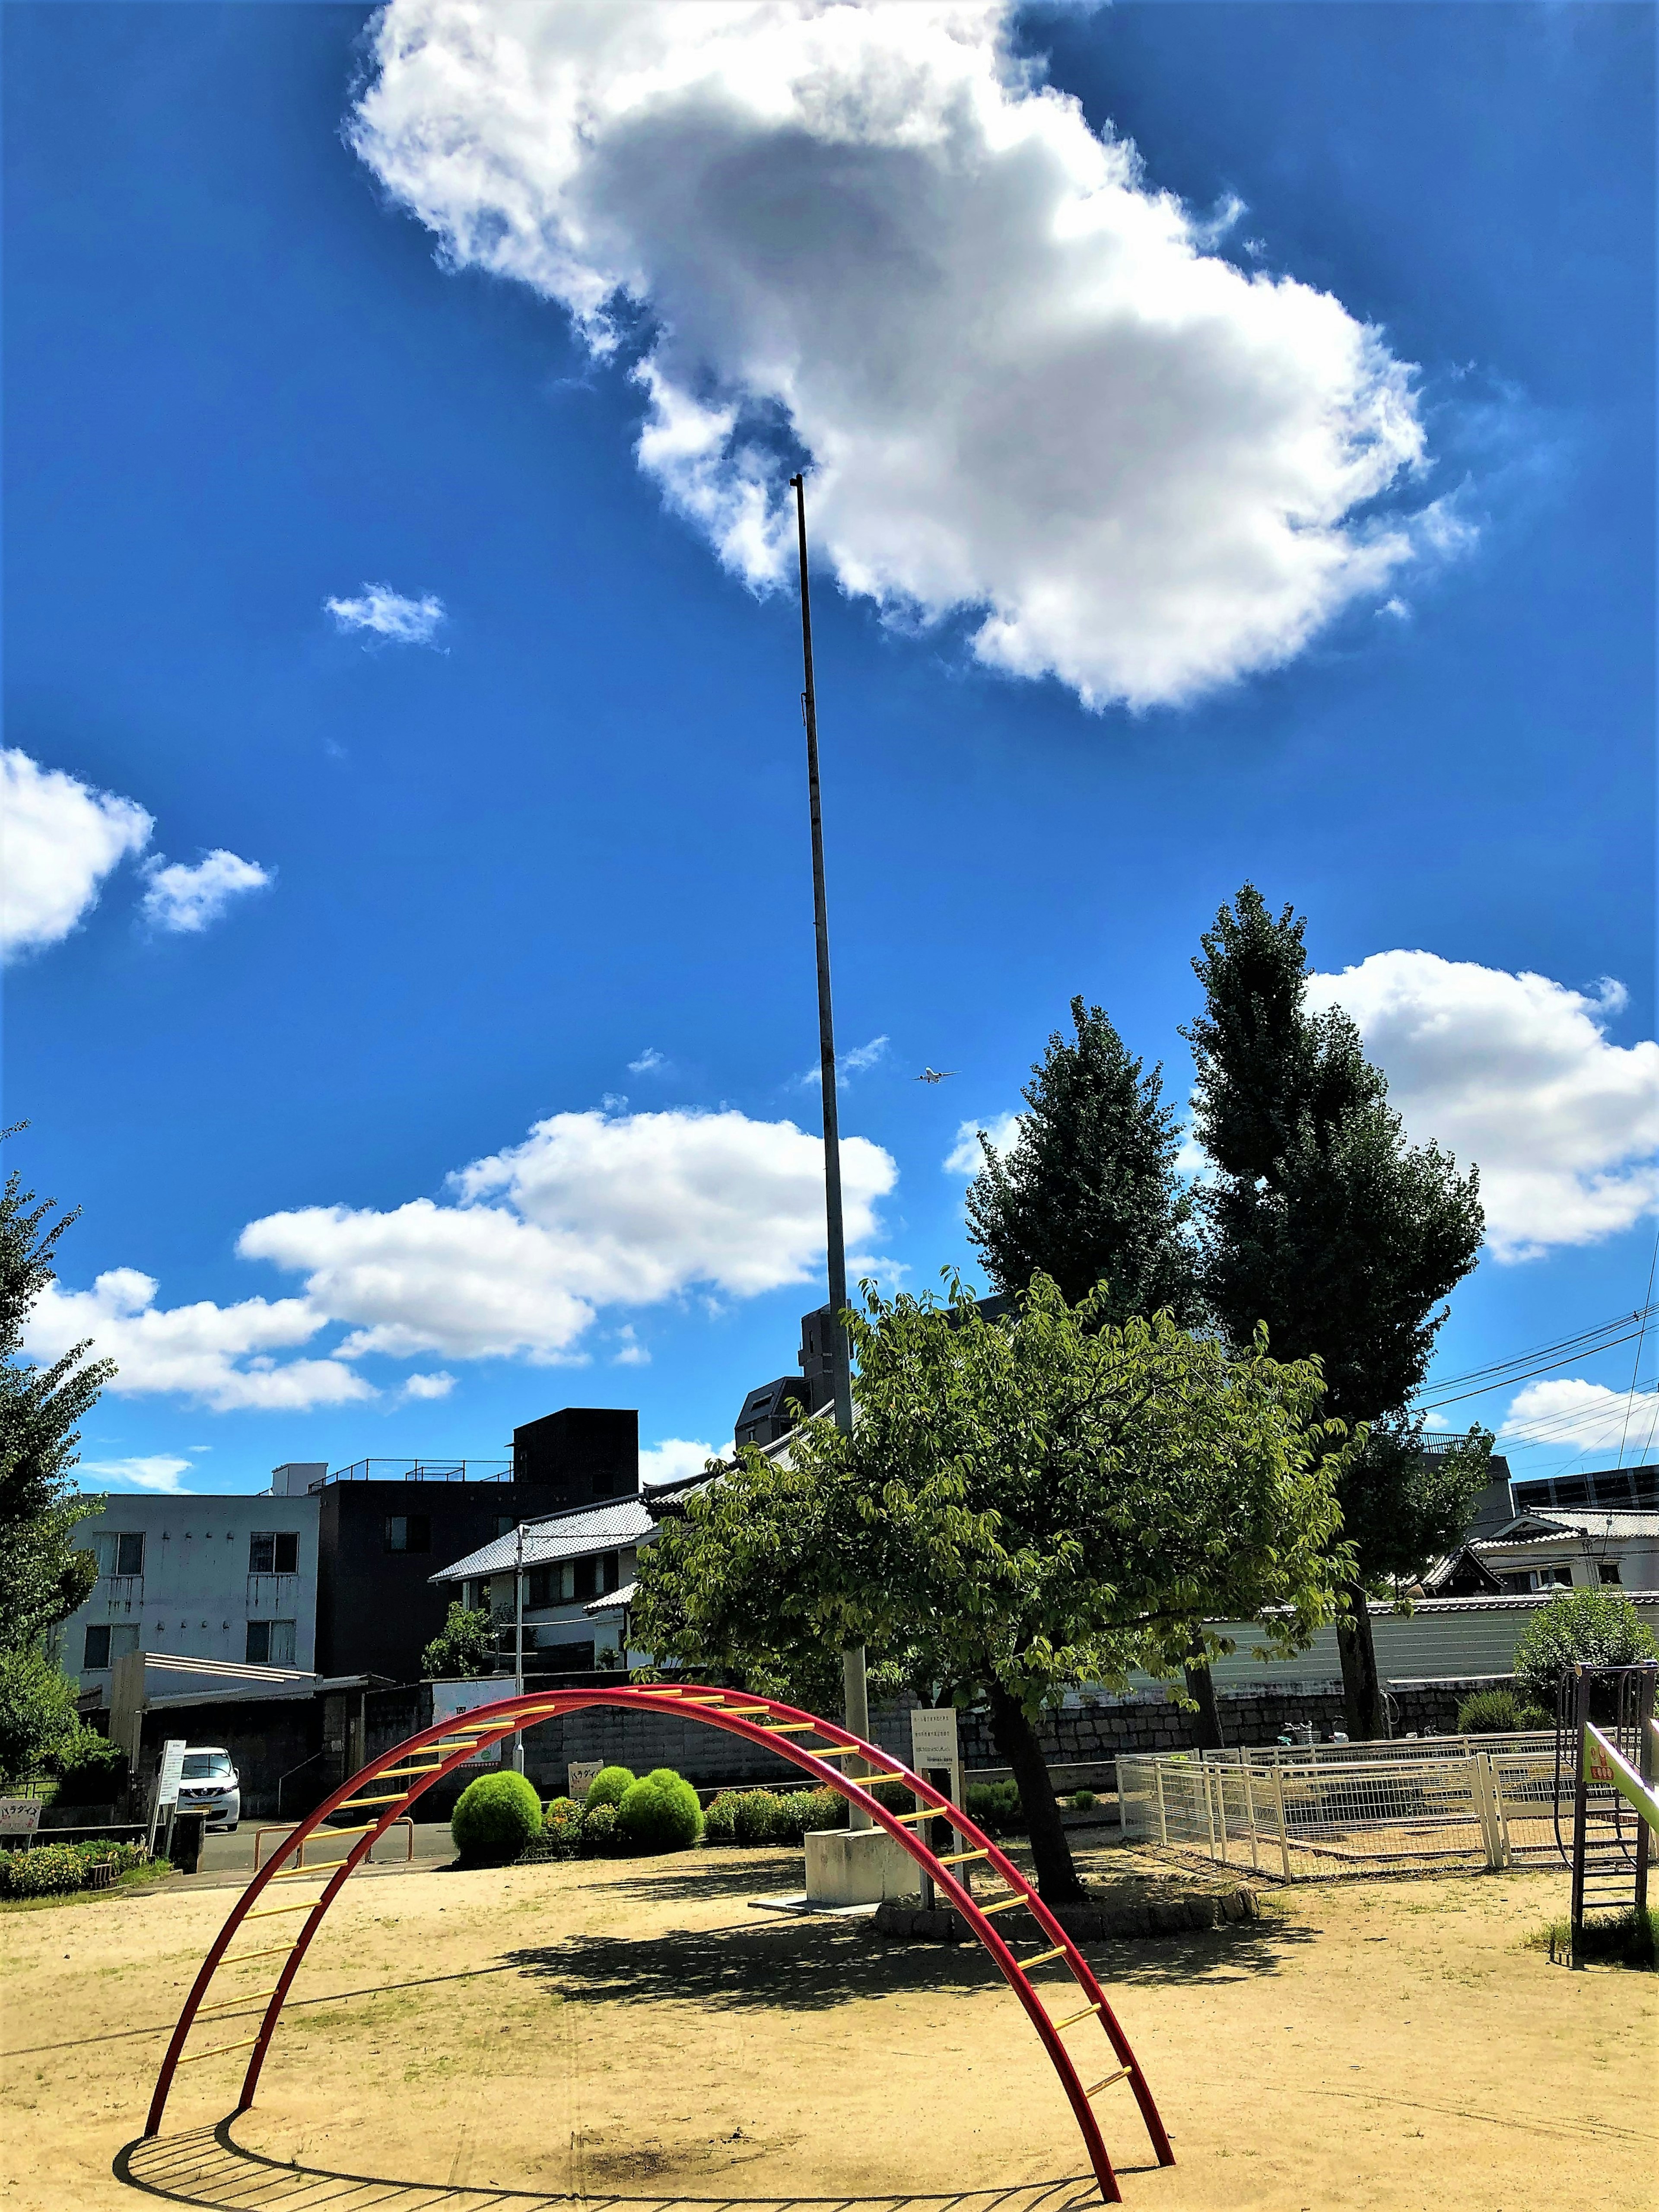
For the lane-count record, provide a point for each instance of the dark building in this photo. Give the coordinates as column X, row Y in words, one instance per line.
column 773, row 1409
column 584, row 1452
column 386, row 1524
column 770, row 1411
column 1634, row 1488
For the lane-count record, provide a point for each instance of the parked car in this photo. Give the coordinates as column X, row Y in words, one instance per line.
column 210, row 1784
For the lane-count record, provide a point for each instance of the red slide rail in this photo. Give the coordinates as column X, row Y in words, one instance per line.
column 415, row 1765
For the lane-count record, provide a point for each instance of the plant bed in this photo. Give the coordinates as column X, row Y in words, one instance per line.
column 1176, row 1915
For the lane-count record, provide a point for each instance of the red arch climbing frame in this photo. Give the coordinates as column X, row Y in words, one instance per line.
column 414, row 1765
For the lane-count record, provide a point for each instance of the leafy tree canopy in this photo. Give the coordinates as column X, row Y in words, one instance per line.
column 1087, row 1192
column 1021, row 1507
column 1593, row 1627
column 42, row 1579
column 464, row 1648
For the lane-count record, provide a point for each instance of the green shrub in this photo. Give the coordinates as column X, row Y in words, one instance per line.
column 1621, row 1939
column 609, row 1787
column 755, row 1819
column 994, row 1807
column 660, row 1813
column 495, row 1817
column 1598, row 1627
column 1084, row 1800
column 1492, row 1712
column 50, row 1870
column 90, row 1768
column 562, row 1827
column 601, row 1835
column 37, row 1712
column 801, row 1810
column 720, row 1822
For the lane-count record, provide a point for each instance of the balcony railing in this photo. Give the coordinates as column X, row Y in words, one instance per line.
column 421, row 1470
column 121, row 1590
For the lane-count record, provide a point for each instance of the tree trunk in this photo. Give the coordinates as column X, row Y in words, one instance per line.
column 1200, row 1688
column 1362, row 1691
column 1016, row 1739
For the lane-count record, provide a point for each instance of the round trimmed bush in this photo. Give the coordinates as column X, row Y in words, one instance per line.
column 1083, row 1800
column 609, row 1787
column 495, row 1817
column 563, row 1827
column 660, row 1814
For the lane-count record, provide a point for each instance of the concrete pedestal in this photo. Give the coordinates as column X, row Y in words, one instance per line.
column 858, row 1866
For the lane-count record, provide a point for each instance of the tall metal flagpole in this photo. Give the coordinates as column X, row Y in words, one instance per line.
column 855, row 1689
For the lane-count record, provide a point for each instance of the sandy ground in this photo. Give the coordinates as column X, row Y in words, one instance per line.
column 636, row 2033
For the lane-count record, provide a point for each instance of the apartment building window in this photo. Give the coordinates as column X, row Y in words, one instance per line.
column 1552, row 1578
column 104, row 1646
column 1608, row 1571
column 273, row 1551
column 270, row 1643
column 408, row 1532
column 120, row 1551
column 573, row 1581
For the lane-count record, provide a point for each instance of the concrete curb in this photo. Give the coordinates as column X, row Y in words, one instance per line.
column 1168, row 1916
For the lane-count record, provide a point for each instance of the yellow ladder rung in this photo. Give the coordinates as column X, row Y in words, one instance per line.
column 271, row 1951
column 838, row 1751
column 274, row 1912
column 217, row 2051
column 743, row 1712
column 432, row 1766
column 961, row 1858
column 1106, row 2082
column 360, row 1829
column 1072, row 2018
column 927, row 1812
column 1043, row 1957
column 1005, row 1905
column 793, row 1727
column 235, row 2004
column 347, row 1803
column 868, row 1780
column 311, row 1873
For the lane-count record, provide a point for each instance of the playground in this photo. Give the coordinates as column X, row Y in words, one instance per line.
column 636, row 2031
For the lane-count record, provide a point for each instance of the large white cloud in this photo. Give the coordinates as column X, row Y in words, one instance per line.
column 59, row 838
column 1028, row 388
column 592, row 1211
column 1566, row 1410
column 1517, row 1074
column 222, row 1355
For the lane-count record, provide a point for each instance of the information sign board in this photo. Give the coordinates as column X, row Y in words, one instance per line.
column 583, row 1773
column 934, row 1747
column 170, row 1773
column 19, row 1816
column 450, row 1700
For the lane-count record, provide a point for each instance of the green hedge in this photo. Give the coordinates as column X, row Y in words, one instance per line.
column 770, row 1816
column 58, row 1869
column 495, row 1817
column 994, row 1807
column 1493, row 1712
column 562, row 1828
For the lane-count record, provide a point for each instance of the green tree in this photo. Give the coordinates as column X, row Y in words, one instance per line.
column 464, row 1648
column 38, row 1719
column 1323, row 1223
column 1087, row 1192
column 42, row 1577
column 1592, row 1627
column 1020, row 1508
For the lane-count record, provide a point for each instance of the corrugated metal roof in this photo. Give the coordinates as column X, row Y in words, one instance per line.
column 573, row 1535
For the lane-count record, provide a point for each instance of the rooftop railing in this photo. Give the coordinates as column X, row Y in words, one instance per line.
column 420, row 1470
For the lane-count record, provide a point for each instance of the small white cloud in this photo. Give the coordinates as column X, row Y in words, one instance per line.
column 650, row 1058
column 1566, row 1410
column 848, row 1064
column 438, row 1385
column 59, row 839
column 674, row 1458
column 155, row 1472
column 183, row 900
column 632, row 1352
column 965, row 1156
column 1396, row 610
column 388, row 614
column 1514, row 1072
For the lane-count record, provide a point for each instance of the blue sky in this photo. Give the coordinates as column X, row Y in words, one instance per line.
column 307, row 918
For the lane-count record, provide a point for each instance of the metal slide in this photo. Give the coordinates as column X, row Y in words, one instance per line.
column 411, row 1768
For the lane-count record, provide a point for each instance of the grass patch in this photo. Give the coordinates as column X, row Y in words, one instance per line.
column 1617, row 1939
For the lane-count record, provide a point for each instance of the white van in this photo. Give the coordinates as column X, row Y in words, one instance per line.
column 211, row 1786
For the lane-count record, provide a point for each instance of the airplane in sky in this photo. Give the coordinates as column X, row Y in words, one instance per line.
column 937, row 1074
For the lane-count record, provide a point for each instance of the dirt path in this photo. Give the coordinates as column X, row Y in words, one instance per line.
column 636, row 2031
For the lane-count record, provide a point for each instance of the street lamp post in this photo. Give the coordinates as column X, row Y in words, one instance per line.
column 855, row 1693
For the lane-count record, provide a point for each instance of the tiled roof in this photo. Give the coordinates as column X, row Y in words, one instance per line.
column 584, row 1529
column 1538, row 1521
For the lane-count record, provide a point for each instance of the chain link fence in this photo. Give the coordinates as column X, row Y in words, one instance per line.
column 1329, row 1810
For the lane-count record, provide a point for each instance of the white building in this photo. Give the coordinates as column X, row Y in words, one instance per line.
column 577, row 1568
column 196, row 1578
column 1558, row 1547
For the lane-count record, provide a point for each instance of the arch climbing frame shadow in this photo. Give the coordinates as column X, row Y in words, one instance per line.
column 414, row 1765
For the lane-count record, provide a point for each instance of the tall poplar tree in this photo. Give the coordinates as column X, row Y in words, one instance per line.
column 1087, row 1192
column 1324, row 1223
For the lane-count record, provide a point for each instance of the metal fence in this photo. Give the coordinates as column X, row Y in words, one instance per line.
column 1336, row 1809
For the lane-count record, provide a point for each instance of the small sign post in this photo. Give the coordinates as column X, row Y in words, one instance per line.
column 936, row 1755
column 19, row 1816
column 581, row 1777
column 168, row 1776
